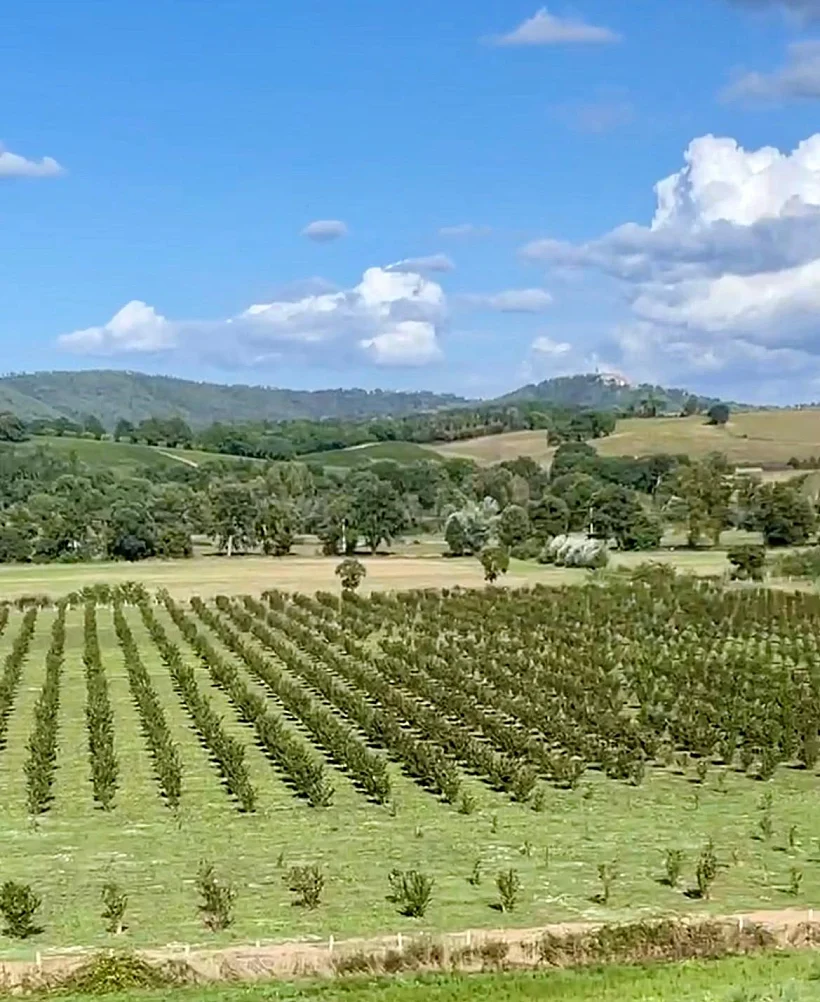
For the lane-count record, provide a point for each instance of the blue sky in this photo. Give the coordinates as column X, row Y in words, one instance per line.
column 483, row 174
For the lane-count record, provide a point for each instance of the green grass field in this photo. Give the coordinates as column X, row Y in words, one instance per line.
column 122, row 456
column 770, row 978
column 362, row 455
column 154, row 853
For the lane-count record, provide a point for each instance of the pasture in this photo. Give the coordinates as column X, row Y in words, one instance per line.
column 751, row 438
column 550, row 732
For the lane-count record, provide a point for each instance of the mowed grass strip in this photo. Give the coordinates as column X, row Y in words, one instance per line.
column 14, row 750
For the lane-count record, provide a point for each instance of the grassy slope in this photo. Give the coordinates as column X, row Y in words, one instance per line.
column 400, row 452
column 119, row 455
column 746, row 979
column 752, row 437
column 75, row 848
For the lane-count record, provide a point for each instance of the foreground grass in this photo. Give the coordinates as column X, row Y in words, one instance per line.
column 767, row 978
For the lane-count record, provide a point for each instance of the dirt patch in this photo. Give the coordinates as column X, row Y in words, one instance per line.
column 471, row 949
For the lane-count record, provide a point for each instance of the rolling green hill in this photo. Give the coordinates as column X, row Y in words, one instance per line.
column 120, row 456
column 135, row 396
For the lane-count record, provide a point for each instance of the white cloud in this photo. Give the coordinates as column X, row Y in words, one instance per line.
column 137, row 327
column 798, row 78
column 409, row 342
column 727, row 275
column 13, row 165
column 546, row 346
column 465, row 231
column 544, row 28
column 323, row 231
column 510, row 301
column 429, row 263
column 389, row 318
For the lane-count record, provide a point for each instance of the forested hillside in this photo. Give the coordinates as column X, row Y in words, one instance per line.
column 111, row 396
column 603, row 392
column 134, row 396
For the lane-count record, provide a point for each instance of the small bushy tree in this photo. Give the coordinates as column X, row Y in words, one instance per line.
column 412, row 891
column 495, row 560
column 706, row 870
column 19, row 906
column 216, row 906
column 307, row 883
column 351, row 573
column 114, row 902
column 747, row 562
column 508, row 883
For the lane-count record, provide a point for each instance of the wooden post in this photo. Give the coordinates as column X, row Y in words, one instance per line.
column 398, row 942
column 330, row 944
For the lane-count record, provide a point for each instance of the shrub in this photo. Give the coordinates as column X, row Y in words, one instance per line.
column 508, row 883
column 114, row 904
column 607, row 874
column 674, row 865
column 802, row 564
column 218, row 898
column 576, row 551
column 411, row 891
column 19, row 905
column 747, row 562
column 108, row 973
column 706, row 870
column 307, row 882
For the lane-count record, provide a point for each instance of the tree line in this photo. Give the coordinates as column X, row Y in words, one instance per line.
column 58, row 509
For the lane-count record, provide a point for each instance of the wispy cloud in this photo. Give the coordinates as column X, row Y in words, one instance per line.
column 805, row 10
column 13, row 165
column 510, row 301
column 798, row 78
column 429, row 263
column 465, row 231
column 595, row 117
column 323, row 231
column 544, row 28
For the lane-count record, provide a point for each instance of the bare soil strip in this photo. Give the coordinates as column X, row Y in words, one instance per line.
column 790, row 929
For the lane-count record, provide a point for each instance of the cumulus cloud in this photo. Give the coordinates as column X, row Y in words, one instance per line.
column 428, row 263
column 799, row 77
column 727, row 275
column 389, row 318
column 13, row 165
column 137, row 327
column 510, row 301
column 465, row 231
column 324, row 231
column 544, row 28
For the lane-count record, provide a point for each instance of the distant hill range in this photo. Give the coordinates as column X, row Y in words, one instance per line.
column 603, row 392
column 110, row 395
column 135, row 396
